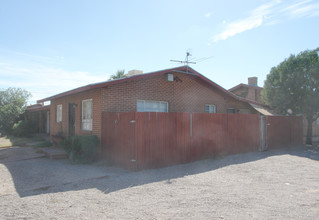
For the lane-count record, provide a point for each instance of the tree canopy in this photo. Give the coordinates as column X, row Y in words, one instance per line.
column 293, row 87
column 12, row 104
column 119, row 74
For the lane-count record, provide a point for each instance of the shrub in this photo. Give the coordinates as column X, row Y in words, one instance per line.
column 81, row 149
column 23, row 128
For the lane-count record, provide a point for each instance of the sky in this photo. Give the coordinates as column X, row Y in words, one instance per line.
column 48, row 47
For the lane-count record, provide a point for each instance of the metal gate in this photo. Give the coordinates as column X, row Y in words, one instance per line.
column 280, row 131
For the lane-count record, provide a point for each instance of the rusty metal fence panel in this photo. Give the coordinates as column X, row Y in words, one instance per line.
column 283, row 131
column 142, row 140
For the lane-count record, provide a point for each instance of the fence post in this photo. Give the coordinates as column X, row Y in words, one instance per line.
column 191, row 125
column 263, row 133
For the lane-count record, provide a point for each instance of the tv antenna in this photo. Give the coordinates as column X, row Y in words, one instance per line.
column 186, row 61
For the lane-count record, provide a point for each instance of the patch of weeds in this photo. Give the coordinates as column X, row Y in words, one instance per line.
column 81, row 149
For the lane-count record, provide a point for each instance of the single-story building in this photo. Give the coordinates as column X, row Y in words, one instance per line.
column 181, row 89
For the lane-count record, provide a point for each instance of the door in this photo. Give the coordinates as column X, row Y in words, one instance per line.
column 72, row 119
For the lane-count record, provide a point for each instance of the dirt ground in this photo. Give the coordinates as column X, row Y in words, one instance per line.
column 277, row 184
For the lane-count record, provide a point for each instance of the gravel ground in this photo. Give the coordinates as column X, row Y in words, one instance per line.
column 277, row 184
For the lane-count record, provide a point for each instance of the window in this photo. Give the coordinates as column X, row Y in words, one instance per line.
column 59, row 113
column 231, row 110
column 152, row 106
column 87, row 115
column 244, row 111
column 210, row 108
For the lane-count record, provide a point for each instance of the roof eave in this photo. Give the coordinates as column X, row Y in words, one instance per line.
column 135, row 77
column 112, row 82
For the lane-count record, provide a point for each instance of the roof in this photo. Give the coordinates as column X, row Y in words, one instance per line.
column 244, row 85
column 37, row 107
column 181, row 69
column 262, row 110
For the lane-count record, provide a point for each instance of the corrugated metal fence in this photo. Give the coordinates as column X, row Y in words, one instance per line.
column 141, row 140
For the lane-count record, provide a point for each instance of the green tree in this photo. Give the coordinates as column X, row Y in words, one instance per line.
column 293, row 86
column 119, row 74
column 12, row 104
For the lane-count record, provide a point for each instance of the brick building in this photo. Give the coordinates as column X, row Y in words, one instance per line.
column 249, row 91
column 181, row 89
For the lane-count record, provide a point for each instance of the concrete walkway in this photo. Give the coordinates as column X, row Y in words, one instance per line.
column 54, row 153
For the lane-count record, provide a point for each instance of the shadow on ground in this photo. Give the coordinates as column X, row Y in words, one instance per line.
column 40, row 176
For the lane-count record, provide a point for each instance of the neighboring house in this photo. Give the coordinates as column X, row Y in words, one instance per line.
column 181, row 89
column 249, row 91
column 252, row 91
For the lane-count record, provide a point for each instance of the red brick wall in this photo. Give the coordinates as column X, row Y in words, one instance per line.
column 188, row 94
column 55, row 127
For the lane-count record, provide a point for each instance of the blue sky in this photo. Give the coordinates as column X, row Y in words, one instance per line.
column 48, row 47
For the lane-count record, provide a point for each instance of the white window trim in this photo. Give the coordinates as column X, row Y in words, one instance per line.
column 209, row 106
column 59, row 116
column 90, row 120
column 163, row 102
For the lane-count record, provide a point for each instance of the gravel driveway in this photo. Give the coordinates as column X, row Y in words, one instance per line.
column 277, row 184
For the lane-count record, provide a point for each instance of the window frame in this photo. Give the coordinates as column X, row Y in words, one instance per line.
column 84, row 120
column 209, row 108
column 161, row 102
column 234, row 111
column 59, row 112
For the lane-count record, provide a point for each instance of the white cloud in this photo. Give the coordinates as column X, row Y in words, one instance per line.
column 43, row 81
column 254, row 20
column 303, row 9
column 207, row 15
column 269, row 14
column 238, row 27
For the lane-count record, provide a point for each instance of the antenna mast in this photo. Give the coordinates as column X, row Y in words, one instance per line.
column 186, row 61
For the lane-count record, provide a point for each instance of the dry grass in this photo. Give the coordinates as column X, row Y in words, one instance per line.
column 9, row 141
column 5, row 142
